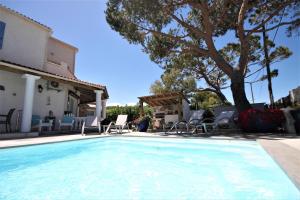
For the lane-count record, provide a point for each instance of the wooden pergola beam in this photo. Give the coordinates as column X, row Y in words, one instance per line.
column 141, row 107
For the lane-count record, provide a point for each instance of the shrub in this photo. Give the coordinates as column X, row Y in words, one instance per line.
column 112, row 112
column 253, row 120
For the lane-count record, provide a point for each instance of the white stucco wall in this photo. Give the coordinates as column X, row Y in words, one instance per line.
column 24, row 42
column 13, row 97
column 49, row 100
column 58, row 51
column 295, row 95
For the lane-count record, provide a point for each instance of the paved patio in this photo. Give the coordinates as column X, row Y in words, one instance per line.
column 284, row 150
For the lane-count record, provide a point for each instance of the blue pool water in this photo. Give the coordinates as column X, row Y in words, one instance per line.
column 137, row 168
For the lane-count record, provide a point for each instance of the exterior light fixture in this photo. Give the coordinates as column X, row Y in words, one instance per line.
column 40, row 88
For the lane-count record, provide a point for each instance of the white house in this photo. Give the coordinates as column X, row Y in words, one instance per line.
column 37, row 73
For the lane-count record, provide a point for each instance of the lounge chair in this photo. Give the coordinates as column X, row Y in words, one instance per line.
column 37, row 122
column 169, row 121
column 119, row 125
column 223, row 119
column 67, row 121
column 89, row 123
column 6, row 119
column 194, row 121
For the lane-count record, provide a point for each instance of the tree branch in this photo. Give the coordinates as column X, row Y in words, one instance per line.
column 208, row 37
column 243, row 60
column 189, row 27
column 192, row 48
column 206, row 90
column 255, row 29
column 276, row 26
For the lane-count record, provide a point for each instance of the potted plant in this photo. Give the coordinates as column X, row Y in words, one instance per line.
column 142, row 123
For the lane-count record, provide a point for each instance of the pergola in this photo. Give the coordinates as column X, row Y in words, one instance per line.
column 163, row 100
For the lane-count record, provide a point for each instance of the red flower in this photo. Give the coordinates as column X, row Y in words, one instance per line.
column 253, row 120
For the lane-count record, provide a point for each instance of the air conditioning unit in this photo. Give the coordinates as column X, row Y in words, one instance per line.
column 53, row 85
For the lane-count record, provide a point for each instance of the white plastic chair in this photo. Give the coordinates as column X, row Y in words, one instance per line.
column 89, row 123
column 119, row 125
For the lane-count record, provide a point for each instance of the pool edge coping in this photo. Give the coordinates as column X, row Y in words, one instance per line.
column 117, row 135
column 277, row 158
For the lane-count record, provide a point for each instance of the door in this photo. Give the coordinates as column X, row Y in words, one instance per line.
column 72, row 105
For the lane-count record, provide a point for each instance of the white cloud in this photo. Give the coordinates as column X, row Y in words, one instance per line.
column 120, row 104
column 131, row 104
column 113, row 104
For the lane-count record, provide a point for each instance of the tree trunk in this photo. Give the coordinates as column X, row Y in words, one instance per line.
column 222, row 97
column 267, row 59
column 238, row 91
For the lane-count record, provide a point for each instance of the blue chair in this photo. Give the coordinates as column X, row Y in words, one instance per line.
column 37, row 122
column 67, row 121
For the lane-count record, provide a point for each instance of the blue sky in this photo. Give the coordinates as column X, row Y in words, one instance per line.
column 106, row 58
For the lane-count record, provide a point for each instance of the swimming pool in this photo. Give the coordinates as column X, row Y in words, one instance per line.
column 142, row 168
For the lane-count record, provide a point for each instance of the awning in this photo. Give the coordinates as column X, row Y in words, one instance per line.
column 86, row 89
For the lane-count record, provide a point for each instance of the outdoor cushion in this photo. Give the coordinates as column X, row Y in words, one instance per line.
column 35, row 120
column 143, row 125
column 67, row 119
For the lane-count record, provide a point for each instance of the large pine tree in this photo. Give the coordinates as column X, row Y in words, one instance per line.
column 194, row 26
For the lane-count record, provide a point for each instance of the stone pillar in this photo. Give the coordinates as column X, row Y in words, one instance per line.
column 98, row 104
column 289, row 123
column 104, row 108
column 28, row 101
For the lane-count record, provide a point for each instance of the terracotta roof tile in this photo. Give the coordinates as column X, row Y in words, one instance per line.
column 74, row 79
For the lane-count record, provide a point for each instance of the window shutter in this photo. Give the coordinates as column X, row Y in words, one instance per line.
column 2, row 28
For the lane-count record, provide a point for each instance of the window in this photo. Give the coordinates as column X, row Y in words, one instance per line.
column 2, row 28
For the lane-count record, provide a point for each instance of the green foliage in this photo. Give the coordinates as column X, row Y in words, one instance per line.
column 276, row 54
column 204, row 100
column 157, row 87
column 174, row 80
column 112, row 112
column 273, row 74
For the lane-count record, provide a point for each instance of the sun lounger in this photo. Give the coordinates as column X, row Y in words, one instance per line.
column 223, row 119
column 90, row 123
column 119, row 125
column 195, row 119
